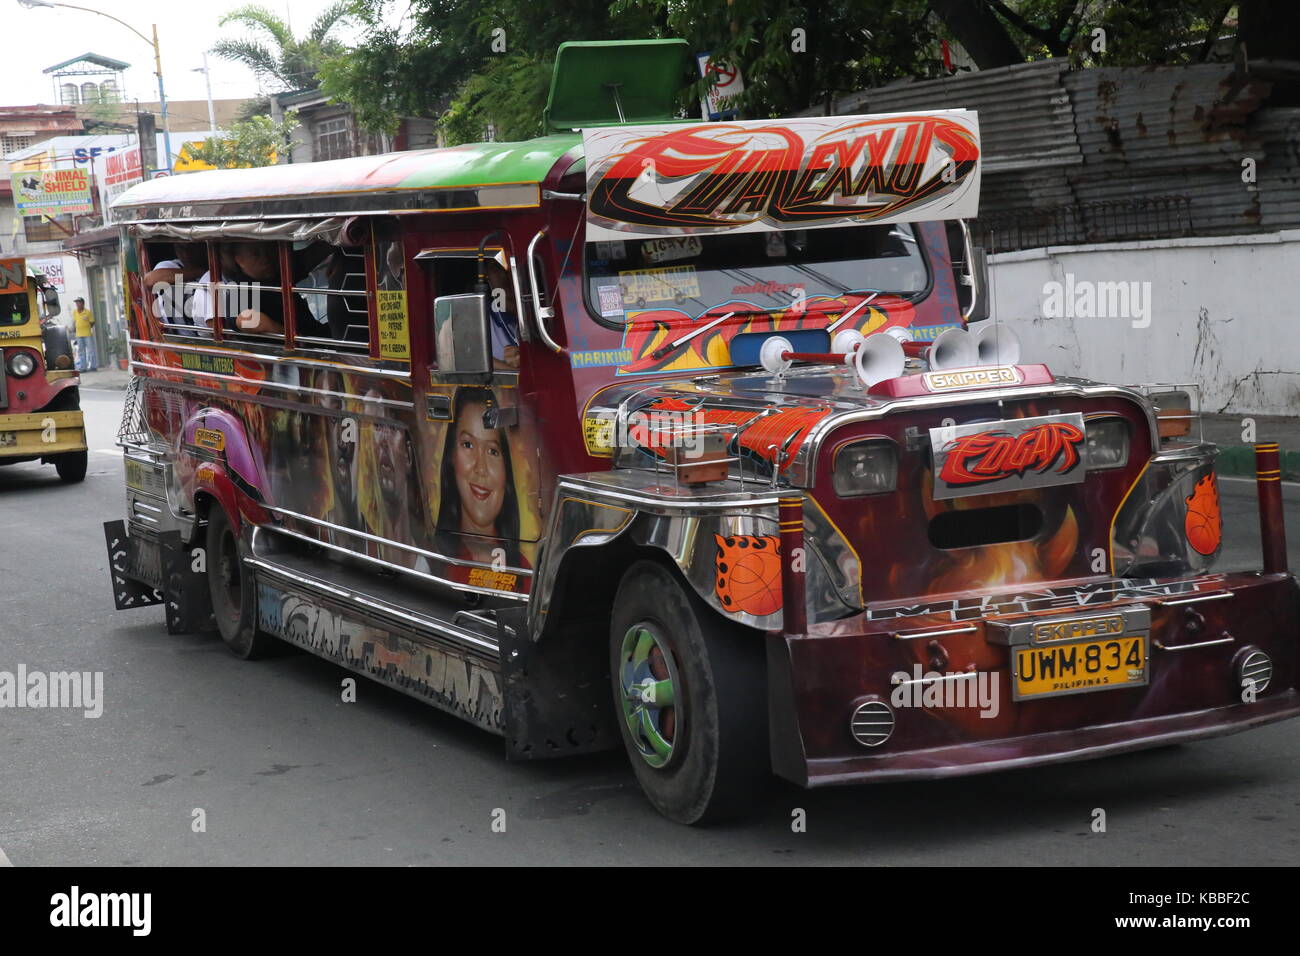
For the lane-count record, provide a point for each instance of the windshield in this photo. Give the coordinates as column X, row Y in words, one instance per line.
column 753, row 271
column 13, row 308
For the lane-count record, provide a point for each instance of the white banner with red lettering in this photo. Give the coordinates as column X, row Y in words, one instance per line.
column 752, row 176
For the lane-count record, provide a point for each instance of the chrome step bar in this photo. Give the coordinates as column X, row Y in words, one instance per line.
column 376, row 610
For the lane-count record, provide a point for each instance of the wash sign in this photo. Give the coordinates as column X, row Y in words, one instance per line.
column 52, row 192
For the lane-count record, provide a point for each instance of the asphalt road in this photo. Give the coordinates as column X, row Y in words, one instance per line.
column 286, row 773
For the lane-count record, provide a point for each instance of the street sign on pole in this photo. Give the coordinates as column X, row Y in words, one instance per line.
column 726, row 84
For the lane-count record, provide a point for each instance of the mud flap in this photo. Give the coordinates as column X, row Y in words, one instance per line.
column 145, row 571
column 557, row 693
column 126, row 558
column 784, row 740
column 188, row 603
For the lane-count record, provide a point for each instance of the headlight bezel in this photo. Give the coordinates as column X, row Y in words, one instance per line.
column 1094, row 427
column 884, row 467
column 23, row 356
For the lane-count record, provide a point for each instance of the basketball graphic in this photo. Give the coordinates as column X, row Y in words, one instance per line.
column 1204, row 524
column 749, row 573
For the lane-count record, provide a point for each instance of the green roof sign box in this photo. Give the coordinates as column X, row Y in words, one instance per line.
column 610, row 82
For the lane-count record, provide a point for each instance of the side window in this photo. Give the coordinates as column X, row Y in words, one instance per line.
column 455, row 272
column 334, row 293
column 175, row 287
column 250, row 300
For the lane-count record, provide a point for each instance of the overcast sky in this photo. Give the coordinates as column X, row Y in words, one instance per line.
column 186, row 29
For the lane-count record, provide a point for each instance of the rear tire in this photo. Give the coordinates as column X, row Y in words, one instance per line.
column 234, row 596
column 703, row 757
column 71, row 466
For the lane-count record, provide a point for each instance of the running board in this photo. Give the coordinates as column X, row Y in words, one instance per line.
column 380, row 607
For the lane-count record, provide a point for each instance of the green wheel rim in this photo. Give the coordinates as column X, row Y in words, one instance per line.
column 649, row 685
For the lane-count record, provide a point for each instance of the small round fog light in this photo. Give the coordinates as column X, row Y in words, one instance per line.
column 872, row 723
column 1253, row 666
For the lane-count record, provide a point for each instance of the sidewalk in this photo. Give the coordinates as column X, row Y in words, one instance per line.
column 106, row 377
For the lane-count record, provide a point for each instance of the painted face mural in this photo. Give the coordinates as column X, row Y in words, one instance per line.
column 478, row 507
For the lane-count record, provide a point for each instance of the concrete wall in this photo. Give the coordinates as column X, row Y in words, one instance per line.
column 1224, row 312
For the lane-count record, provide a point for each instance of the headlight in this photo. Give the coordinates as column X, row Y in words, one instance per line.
column 21, row 364
column 1107, row 443
column 866, row 468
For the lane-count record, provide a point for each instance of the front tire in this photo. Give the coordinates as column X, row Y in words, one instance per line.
column 690, row 697
column 71, row 466
column 234, row 596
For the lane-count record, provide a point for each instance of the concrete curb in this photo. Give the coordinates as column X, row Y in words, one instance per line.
column 1240, row 460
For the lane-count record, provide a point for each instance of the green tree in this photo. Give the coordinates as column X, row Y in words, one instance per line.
column 256, row 142
column 446, row 60
column 274, row 53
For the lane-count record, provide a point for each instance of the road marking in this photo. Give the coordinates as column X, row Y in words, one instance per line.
column 4, row 860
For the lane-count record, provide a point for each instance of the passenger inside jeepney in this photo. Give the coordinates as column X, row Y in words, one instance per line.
column 258, row 264
column 171, row 282
column 503, row 323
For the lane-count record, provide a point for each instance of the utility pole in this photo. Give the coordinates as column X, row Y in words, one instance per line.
column 207, row 79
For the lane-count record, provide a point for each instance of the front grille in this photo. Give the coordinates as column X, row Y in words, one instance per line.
column 872, row 723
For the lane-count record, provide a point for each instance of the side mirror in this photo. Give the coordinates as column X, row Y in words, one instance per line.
column 461, row 334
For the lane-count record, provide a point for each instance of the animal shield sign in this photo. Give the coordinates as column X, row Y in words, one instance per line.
column 988, row 457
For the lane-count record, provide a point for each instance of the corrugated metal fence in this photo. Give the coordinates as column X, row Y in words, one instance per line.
column 1096, row 155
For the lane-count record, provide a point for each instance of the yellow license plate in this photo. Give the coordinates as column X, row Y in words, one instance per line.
column 1079, row 667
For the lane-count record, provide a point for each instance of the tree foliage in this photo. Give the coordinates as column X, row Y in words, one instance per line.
column 255, row 142
column 480, row 64
column 274, row 54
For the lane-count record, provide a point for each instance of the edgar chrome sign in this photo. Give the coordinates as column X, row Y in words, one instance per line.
column 781, row 174
column 989, row 457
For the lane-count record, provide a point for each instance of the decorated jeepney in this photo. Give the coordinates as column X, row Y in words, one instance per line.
column 40, row 403
column 691, row 438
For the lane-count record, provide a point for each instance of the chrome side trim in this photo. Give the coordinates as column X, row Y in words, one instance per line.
column 434, row 555
column 424, row 575
column 941, row 679
column 1218, row 596
column 1188, row 647
column 441, row 628
column 189, row 374
column 264, row 357
column 672, row 503
column 948, row 632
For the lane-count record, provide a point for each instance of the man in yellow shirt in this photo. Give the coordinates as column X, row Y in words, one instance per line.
column 87, row 360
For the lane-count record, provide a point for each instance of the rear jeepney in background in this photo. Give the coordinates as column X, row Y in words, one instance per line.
column 675, row 434
column 40, row 405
